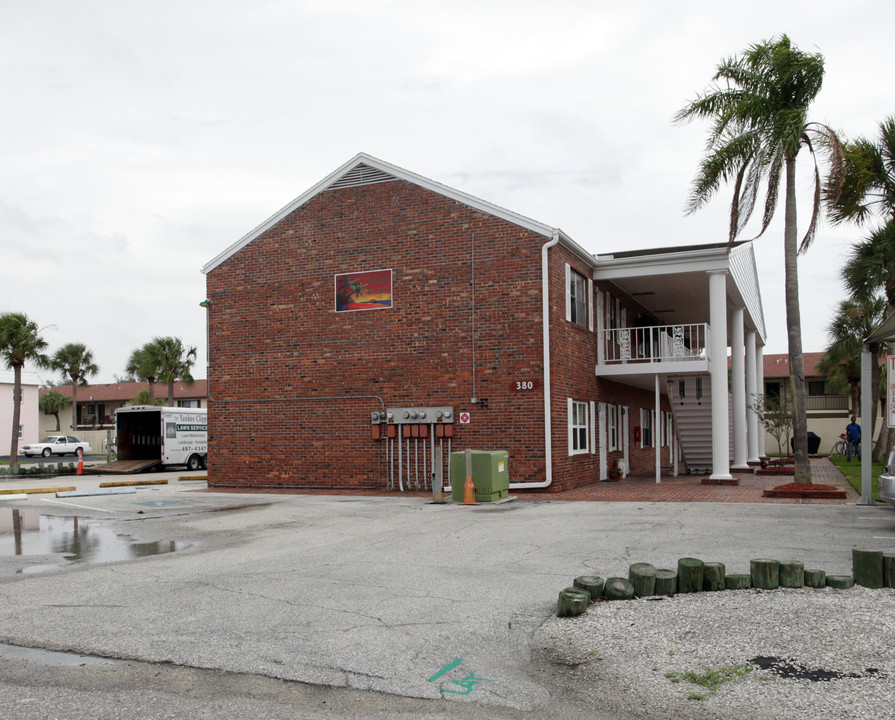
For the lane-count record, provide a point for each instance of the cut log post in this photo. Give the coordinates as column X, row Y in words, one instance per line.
column 815, row 578
column 738, row 581
column 643, row 577
column 867, row 568
column 591, row 583
column 765, row 573
column 666, row 582
column 713, row 574
column 689, row 575
column 792, row 574
column 889, row 570
column 840, row 582
column 572, row 601
column 618, row 589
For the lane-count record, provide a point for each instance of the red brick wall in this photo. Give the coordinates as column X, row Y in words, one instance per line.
column 292, row 382
column 277, row 347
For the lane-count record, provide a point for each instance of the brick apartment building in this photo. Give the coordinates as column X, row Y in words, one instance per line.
column 382, row 320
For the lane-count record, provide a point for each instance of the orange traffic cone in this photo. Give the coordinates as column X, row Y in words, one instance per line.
column 469, row 492
column 80, row 463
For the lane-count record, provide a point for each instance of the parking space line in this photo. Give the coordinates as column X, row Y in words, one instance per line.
column 83, row 507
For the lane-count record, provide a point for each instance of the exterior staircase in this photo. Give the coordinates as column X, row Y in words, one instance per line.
column 691, row 407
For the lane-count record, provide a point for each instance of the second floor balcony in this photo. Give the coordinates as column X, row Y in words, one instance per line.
column 657, row 348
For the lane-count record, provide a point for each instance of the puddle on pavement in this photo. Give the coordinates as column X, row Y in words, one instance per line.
column 23, row 532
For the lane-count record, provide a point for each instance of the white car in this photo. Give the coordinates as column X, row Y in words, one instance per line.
column 886, row 482
column 56, row 445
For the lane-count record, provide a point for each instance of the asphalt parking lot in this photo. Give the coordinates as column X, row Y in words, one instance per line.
column 342, row 606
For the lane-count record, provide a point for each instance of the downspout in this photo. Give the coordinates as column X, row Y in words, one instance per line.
column 545, row 320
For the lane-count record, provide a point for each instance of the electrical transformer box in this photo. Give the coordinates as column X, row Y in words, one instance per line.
column 490, row 475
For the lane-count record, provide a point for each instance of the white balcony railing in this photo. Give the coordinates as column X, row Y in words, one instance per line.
column 659, row 343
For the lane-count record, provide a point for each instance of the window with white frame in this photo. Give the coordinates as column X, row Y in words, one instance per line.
column 646, row 428
column 612, row 415
column 577, row 301
column 667, row 431
column 578, row 427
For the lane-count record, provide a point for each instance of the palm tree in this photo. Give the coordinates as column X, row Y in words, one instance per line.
column 758, row 104
column 52, row 403
column 143, row 365
column 842, row 360
column 869, row 192
column 20, row 342
column 76, row 364
column 174, row 362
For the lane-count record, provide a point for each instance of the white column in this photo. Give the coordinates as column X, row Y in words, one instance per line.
column 601, row 411
column 657, row 433
column 867, row 407
column 759, row 379
column 718, row 365
column 738, row 387
column 752, row 425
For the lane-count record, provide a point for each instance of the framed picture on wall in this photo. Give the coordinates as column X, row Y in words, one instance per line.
column 368, row 290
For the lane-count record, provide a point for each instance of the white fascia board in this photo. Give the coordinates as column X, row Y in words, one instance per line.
column 612, row 268
column 401, row 174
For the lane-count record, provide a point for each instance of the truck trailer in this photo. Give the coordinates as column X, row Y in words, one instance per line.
column 151, row 436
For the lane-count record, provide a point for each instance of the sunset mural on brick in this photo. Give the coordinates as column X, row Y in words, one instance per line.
column 370, row 290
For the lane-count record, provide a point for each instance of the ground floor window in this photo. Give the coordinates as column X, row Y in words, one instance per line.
column 613, row 413
column 578, row 427
column 646, row 428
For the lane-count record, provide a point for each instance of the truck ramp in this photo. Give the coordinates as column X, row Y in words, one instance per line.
column 122, row 467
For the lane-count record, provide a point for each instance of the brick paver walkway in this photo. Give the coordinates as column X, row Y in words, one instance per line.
column 684, row 488
column 689, row 488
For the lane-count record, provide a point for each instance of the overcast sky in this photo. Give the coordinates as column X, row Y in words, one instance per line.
column 140, row 139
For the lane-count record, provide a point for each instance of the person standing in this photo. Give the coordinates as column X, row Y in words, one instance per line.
column 852, row 439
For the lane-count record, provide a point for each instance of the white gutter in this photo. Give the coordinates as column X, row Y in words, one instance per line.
column 548, row 427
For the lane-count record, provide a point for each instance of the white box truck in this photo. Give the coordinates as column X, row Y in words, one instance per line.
column 150, row 435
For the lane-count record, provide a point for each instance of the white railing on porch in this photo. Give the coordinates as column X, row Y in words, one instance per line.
column 658, row 343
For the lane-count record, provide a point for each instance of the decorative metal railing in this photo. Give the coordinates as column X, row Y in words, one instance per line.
column 658, row 343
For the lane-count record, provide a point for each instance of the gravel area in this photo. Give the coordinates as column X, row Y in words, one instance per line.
column 825, row 654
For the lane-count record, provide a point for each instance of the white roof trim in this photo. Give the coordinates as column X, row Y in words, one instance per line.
column 885, row 332
column 401, row 174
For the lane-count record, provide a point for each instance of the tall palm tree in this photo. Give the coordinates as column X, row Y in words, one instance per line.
column 52, row 403
column 20, row 342
column 842, row 359
column 758, row 104
column 869, row 193
column 174, row 361
column 143, row 365
column 76, row 364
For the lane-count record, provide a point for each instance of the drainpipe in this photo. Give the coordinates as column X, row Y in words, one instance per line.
column 548, row 427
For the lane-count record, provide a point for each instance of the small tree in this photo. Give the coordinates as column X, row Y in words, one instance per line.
column 144, row 397
column 776, row 417
column 52, row 403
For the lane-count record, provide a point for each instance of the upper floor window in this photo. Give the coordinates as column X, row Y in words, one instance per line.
column 577, row 298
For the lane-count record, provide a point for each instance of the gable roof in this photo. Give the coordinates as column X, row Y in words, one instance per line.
column 364, row 169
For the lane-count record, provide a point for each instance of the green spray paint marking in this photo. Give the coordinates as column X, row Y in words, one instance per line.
column 469, row 682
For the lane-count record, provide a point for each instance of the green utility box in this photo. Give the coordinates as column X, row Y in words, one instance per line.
column 490, row 475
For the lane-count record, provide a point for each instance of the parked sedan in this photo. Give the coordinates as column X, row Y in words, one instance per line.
column 56, row 445
column 886, row 483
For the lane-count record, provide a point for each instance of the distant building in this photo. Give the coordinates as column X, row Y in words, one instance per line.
column 29, row 428
column 97, row 405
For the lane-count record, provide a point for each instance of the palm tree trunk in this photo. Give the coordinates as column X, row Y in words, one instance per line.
column 74, row 408
column 794, row 328
column 170, row 394
column 16, row 417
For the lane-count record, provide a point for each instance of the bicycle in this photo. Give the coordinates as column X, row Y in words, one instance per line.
column 839, row 447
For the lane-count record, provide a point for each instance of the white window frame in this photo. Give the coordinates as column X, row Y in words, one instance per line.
column 577, row 304
column 579, row 427
column 647, row 424
column 613, row 427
